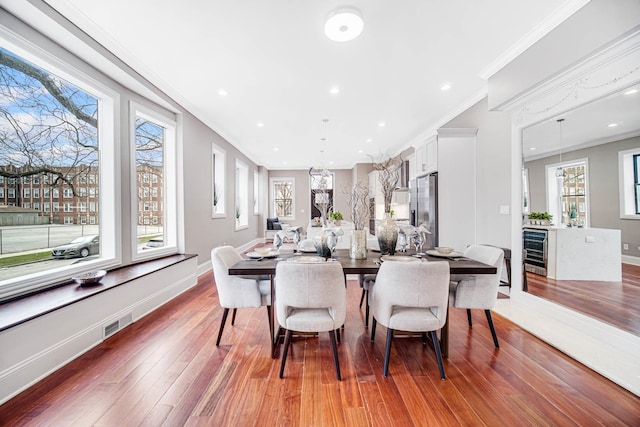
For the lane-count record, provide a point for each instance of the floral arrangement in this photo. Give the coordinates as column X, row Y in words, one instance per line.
column 359, row 205
column 388, row 176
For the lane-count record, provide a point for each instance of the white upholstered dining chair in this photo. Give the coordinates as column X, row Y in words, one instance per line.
column 310, row 297
column 478, row 291
column 237, row 291
column 410, row 296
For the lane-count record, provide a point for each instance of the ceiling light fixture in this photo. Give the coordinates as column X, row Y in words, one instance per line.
column 631, row 92
column 260, row 124
column 382, row 124
column 445, row 86
column 612, row 125
column 343, row 25
column 334, row 90
column 222, row 92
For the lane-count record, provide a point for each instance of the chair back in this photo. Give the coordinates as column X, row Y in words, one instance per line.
column 233, row 291
column 311, row 285
column 481, row 290
column 411, row 284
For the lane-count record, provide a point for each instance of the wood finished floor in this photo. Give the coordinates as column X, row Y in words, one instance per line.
column 165, row 370
column 617, row 303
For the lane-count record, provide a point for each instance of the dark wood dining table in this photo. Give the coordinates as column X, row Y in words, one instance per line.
column 370, row 265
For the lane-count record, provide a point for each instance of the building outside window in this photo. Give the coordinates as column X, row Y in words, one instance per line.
column 282, row 192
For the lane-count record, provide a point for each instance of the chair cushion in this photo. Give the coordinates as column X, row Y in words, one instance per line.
column 414, row 319
column 310, row 320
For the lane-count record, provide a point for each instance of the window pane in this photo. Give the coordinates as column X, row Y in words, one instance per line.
column 49, row 131
column 150, row 142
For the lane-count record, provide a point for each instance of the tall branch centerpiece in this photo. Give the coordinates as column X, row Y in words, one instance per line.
column 359, row 208
column 388, row 176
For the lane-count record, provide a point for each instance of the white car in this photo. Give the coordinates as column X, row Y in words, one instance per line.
column 156, row 242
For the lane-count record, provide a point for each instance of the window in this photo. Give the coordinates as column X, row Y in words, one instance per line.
column 567, row 192
column 282, row 192
column 154, row 192
column 629, row 183
column 56, row 193
column 67, row 207
column 26, row 205
column 64, row 136
column 1, row 192
column 256, row 193
column 218, row 160
column 56, row 207
column 46, row 207
column 11, row 193
column 36, row 206
column 46, row 192
column 83, row 207
column 242, row 195
column 67, row 193
column 155, row 143
column 92, row 206
column 321, row 185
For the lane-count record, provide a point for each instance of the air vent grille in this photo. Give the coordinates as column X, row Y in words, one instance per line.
column 116, row 325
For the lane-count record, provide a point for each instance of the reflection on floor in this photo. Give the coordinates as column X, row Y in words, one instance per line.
column 617, row 303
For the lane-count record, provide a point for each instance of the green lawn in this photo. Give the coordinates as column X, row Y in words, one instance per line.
column 21, row 259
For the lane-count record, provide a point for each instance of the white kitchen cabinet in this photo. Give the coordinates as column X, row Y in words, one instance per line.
column 426, row 157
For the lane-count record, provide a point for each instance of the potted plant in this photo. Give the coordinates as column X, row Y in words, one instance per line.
column 336, row 217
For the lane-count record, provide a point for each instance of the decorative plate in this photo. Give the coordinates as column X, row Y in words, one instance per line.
column 398, row 258
column 306, row 259
column 453, row 254
column 256, row 255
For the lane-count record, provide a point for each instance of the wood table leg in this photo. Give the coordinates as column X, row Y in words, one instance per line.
column 444, row 337
column 274, row 337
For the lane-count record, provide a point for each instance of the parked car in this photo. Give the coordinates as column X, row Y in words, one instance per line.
column 156, row 242
column 80, row 247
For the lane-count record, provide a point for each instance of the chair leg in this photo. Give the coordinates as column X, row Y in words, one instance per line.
column 233, row 317
column 366, row 315
column 373, row 328
column 287, row 340
column 270, row 323
column 493, row 329
column 436, row 346
column 364, row 292
column 387, row 351
column 334, row 346
column 338, row 334
column 469, row 318
column 424, row 338
column 222, row 322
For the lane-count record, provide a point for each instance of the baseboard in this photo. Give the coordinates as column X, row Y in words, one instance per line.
column 628, row 259
column 29, row 354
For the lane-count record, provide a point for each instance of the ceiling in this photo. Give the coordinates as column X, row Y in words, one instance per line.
column 277, row 67
column 609, row 119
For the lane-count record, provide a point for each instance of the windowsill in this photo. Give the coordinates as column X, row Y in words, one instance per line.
column 21, row 310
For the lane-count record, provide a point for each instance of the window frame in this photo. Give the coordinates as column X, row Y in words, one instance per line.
column 170, row 180
column 553, row 191
column 272, row 205
column 218, row 181
column 242, row 195
column 108, row 119
column 627, row 174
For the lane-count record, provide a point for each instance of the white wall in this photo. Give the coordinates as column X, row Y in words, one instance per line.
column 493, row 171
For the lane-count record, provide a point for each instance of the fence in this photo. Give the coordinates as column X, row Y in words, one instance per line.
column 21, row 239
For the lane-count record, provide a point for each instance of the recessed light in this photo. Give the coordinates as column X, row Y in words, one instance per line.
column 532, row 149
column 445, row 86
column 343, row 25
column 382, row 124
column 334, row 90
column 631, row 92
column 369, row 139
column 360, row 151
column 285, row 163
column 276, row 149
column 612, row 125
column 222, row 92
column 260, row 124
column 331, row 162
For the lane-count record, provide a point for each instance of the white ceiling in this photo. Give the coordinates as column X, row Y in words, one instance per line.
column 277, row 66
column 585, row 126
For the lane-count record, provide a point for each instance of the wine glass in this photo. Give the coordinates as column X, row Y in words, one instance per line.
column 278, row 240
column 418, row 241
column 332, row 242
column 402, row 240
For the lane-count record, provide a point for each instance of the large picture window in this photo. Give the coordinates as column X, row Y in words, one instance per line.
column 57, row 129
column 218, row 163
column 154, row 136
column 242, row 195
column 629, row 170
column 568, row 192
column 282, row 193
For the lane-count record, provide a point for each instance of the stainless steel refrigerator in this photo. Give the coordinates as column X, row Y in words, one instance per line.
column 423, row 206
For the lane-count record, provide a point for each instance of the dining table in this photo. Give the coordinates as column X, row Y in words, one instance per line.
column 370, row 265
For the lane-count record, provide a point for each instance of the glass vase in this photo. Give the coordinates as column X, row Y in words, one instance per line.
column 321, row 242
column 387, row 234
column 358, row 244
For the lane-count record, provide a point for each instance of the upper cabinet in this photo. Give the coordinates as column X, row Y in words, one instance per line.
column 426, row 157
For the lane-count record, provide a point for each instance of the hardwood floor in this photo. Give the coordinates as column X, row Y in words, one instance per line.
column 166, row 370
column 617, row 303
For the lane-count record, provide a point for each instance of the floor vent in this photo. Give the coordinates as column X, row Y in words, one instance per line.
column 115, row 326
